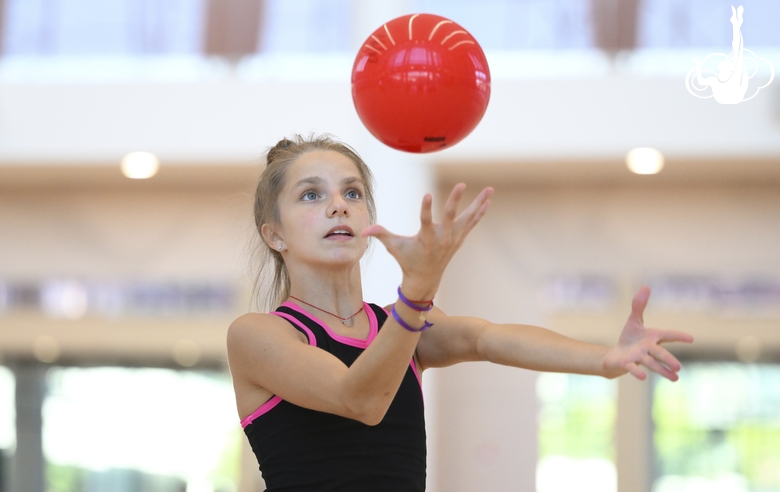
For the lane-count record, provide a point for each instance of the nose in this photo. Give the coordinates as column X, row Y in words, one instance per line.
column 338, row 207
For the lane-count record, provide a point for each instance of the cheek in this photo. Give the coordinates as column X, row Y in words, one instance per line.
column 303, row 223
column 308, row 219
column 361, row 211
column 296, row 223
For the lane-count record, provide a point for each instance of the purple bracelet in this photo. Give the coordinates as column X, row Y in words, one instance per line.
column 409, row 303
column 406, row 326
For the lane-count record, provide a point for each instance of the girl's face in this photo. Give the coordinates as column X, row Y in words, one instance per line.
column 322, row 210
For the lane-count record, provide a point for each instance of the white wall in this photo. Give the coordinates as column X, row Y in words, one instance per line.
column 233, row 120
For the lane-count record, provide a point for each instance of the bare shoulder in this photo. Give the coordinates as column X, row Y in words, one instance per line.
column 247, row 324
column 256, row 343
column 250, row 324
column 253, row 331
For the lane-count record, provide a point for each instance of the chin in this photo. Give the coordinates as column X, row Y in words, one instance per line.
column 340, row 258
column 346, row 258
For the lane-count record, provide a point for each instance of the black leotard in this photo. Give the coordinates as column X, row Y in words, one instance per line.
column 306, row 450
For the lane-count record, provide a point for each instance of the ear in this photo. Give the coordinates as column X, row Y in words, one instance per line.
column 271, row 237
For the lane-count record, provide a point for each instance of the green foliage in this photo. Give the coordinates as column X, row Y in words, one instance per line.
column 577, row 417
column 720, row 419
column 228, row 470
column 65, row 478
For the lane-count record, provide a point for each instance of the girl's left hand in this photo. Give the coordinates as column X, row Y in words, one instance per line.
column 640, row 346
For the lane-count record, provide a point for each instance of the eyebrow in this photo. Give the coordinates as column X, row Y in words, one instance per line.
column 316, row 180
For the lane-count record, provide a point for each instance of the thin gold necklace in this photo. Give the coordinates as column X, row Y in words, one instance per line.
column 343, row 320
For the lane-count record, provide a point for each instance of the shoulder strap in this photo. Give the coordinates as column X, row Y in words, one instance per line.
column 381, row 314
column 309, row 327
column 299, row 321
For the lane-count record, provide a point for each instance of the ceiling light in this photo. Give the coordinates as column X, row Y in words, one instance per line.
column 645, row 160
column 140, row 165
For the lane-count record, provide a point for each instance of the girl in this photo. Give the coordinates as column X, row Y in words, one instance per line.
column 328, row 386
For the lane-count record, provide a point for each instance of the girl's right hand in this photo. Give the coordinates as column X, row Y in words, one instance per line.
column 424, row 256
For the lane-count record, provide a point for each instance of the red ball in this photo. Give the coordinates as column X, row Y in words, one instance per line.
column 420, row 83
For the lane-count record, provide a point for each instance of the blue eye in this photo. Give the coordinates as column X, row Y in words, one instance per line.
column 309, row 195
column 353, row 193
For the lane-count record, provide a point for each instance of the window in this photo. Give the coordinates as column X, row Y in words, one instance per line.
column 307, row 26
column 103, row 27
column 112, row 428
column 718, row 428
column 576, row 432
column 518, row 25
column 7, row 413
column 705, row 23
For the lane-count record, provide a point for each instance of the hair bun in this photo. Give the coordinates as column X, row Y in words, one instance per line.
column 284, row 143
column 280, row 147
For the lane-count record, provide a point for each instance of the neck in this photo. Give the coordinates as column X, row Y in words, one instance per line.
column 339, row 291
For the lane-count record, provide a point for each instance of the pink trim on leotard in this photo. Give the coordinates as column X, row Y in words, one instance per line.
column 416, row 373
column 275, row 400
column 353, row 342
column 296, row 321
column 263, row 409
column 414, row 366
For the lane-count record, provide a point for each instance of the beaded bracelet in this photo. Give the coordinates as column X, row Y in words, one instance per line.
column 406, row 326
column 415, row 304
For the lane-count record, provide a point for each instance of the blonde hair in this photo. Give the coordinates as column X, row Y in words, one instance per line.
column 266, row 207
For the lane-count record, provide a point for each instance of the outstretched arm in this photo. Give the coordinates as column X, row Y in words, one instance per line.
column 458, row 339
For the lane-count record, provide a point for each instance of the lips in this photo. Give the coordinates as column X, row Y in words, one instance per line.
column 341, row 231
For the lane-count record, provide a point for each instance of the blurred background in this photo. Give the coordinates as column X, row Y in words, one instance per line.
column 116, row 292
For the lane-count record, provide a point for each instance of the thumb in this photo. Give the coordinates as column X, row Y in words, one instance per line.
column 387, row 238
column 639, row 303
column 376, row 231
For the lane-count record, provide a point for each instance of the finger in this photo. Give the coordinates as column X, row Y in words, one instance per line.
column 426, row 216
column 639, row 303
column 665, row 357
column 673, row 336
column 635, row 371
column 658, row 368
column 452, row 203
column 475, row 206
column 470, row 217
column 476, row 203
column 478, row 216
